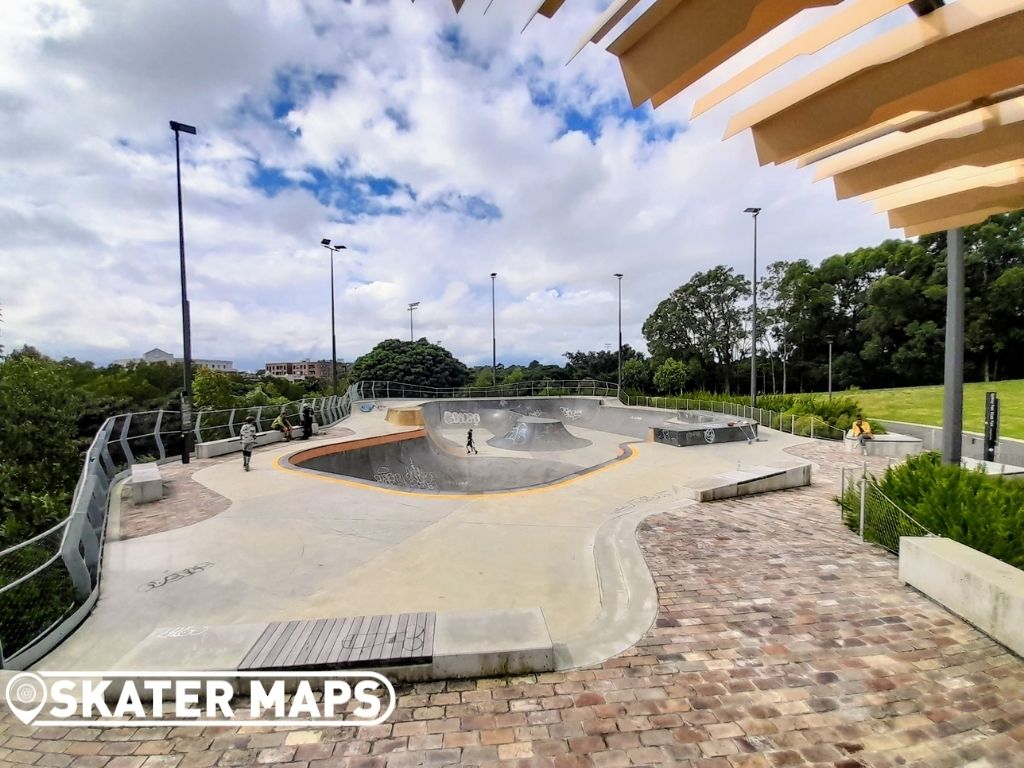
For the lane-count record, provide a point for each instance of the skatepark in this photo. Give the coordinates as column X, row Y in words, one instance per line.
column 385, row 513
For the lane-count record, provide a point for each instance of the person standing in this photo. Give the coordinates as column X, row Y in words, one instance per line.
column 469, row 443
column 307, row 422
column 248, row 435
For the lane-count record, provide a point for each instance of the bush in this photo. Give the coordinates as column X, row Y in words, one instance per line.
column 984, row 512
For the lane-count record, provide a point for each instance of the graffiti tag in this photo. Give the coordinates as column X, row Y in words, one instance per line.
column 168, row 578
column 461, row 417
column 571, row 413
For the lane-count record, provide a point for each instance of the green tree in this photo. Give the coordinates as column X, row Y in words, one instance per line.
column 636, row 375
column 671, row 377
column 213, row 390
column 39, row 461
column 701, row 320
column 602, row 365
column 411, row 362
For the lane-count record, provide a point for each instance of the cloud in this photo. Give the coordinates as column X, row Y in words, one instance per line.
column 437, row 148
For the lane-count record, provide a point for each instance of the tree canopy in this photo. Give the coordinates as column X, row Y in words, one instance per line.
column 411, row 362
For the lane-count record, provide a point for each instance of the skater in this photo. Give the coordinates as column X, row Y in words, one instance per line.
column 248, row 435
column 281, row 424
column 862, row 432
column 469, row 443
column 307, row 422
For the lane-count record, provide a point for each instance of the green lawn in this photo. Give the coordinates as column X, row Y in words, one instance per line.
column 923, row 405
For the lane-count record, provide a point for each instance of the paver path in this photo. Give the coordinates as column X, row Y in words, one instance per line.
column 781, row 640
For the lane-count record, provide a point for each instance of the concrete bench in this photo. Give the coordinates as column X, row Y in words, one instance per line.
column 889, row 445
column 211, row 448
column 146, row 483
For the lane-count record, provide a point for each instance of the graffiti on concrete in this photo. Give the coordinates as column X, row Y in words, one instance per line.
column 169, row 632
column 517, row 434
column 572, row 414
column 461, row 417
column 414, row 477
column 168, row 578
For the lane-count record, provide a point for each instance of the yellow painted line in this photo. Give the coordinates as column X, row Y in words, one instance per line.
column 464, row 496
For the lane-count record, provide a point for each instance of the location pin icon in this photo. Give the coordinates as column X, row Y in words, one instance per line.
column 26, row 696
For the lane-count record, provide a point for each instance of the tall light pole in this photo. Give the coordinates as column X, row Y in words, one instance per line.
column 753, row 320
column 186, row 324
column 619, row 276
column 326, row 243
column 412, row 307
column 829, row 339
column 494, row 336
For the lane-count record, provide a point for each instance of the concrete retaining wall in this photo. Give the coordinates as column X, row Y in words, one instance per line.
column 986, row 592
column 1008, row 451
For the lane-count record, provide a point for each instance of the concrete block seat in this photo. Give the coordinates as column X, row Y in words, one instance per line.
column 211, row 448
column 890, row 445
column 146, row 483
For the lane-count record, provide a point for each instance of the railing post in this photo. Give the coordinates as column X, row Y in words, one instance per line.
column 863, row 504
column 156, row 435
column 812, row 427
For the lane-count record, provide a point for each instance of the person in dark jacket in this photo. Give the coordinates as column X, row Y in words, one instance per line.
column 469, row 443
column 307, row 422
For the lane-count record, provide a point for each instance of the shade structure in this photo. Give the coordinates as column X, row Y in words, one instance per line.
column 960, row 53
column 676, row 42
column 925, row 122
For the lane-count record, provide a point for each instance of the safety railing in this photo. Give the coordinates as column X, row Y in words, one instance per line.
column 49, row 583
column 384, row 390
column 807, row 426
column 874, row 516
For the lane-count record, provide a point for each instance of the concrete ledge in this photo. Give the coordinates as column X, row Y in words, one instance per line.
column 146, row 483
column 744, row 482
column 405, row 417
column 986, row 592
column 992, row 467
column 492, row 643
column 890, row 445
column 212, row 448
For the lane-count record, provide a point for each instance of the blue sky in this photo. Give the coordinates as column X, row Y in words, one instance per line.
column 438, row 148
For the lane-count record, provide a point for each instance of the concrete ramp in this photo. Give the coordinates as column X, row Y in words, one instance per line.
column 534, row 433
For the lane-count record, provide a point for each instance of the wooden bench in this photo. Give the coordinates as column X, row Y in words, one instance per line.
column 146, row 483
column 359, row 641
column 211, row 448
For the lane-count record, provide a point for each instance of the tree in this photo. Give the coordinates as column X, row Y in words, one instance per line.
column 411, row 362
column 636, row 375
column 39, row 460
column 671, row 377
column 602, row 365
column 701, row 320
column 213, row 390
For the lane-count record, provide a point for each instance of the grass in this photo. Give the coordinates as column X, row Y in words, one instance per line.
column 923, row 405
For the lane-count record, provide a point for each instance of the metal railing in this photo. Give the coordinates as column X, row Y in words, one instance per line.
column 51, row 581
column 874, row 516
column 384, row 390
column 807, row 426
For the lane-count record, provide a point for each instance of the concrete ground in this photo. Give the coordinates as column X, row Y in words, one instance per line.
column 293, row 545
column 781, row 640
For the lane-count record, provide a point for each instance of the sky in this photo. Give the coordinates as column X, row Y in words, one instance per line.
column 436, row 147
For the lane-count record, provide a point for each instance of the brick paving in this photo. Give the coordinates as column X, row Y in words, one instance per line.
column 781, row 640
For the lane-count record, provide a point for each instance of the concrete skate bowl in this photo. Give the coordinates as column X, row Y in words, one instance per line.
column 413, row 462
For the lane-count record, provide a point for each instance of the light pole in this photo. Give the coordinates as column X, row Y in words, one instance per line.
column 186, row 325
column 619, row 276
column 829, row 339
column 412, row 307
column 326, row 243
column 753, row 320
column 494, row 336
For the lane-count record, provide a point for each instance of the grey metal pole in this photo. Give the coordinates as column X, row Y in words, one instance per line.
column 410, row 323
column 830, row 370
column 334, row 335
column 186, row 325
column 619, row 276
column 494, row 335
column 753, row 319
column 953, row 410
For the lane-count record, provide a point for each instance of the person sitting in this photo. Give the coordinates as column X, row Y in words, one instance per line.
column 281, row 424
column 862, row 431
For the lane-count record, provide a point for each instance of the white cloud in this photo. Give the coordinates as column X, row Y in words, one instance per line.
column 89, row 261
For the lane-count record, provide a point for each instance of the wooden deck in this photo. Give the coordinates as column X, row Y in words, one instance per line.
column 354, row 642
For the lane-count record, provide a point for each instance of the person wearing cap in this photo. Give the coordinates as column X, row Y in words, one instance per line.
column 248, row 435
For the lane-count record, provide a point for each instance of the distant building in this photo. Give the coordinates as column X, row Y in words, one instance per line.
column 157, row 355
column 306, row 369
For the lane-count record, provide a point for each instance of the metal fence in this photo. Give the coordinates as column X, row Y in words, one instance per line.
column 383, row 390
column 49, row 583
column 807, row 426
column 874, row 516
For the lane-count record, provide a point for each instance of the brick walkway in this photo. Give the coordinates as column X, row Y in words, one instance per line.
column 781, row 641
